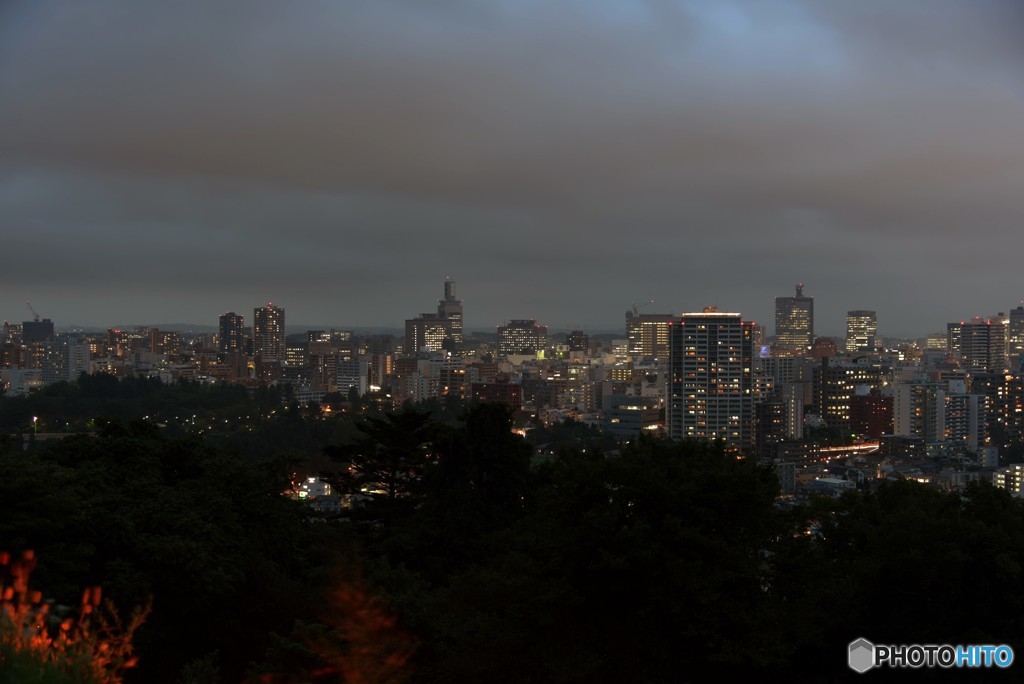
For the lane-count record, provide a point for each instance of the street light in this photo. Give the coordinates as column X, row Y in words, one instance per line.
column 35, row 424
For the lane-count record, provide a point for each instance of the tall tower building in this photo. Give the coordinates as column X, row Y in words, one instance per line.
column 711, row 378
column 425, row 333
column 268, row 333
column 577, row 341
column 230, row 338
column 432, row 332
column 66, row 358
column 36, row 338
column 918, row 409
column 794, row 321
column 521, row 336
column 37, row 331
column 1015, row 348
column 861, row 331
column 449, row 309
column 647, row 334
column 980, row 343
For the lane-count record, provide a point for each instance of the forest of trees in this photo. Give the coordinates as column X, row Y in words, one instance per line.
column 475, row 561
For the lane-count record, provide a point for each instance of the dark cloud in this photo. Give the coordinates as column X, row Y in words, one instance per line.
column 559, row 159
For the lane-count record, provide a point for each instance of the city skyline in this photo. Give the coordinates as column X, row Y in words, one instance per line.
column 170, row 162
column 396, row 325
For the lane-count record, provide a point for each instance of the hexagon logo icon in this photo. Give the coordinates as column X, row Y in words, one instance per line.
column 862, row 655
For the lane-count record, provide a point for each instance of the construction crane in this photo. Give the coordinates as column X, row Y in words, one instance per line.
column 635, row 308
column 35, row 316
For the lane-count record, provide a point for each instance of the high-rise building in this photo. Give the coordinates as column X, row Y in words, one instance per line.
column 792, row 395
column 521, row 336
column 647, row 335
column 430, row 332
column 67, row 357
column 861, row 331
column 980, row 343
column 937, row 341
column 1015, row 347
column 425, row 333
column 832, row 391
column 918, row 410
column 629, row 416
column 37, row 331
column 871, row 414
column 268, row 333
column 769, row 427
column 499, row 390
column 577, row 341
column 164, row 341
column 318, row 336
column 36, row 340
column 1010, row 478
column 711, row 378
column 343, row 342
column 965, row 419
column 353, row 374
column 450, row 309
column 296, row 354
column 1004, row 406
column 794, row 321
column 835, row 385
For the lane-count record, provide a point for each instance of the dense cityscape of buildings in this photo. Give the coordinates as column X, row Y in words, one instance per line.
column 945, row 409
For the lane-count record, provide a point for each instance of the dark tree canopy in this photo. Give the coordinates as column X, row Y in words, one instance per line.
column 207, row 535
column 464, row 558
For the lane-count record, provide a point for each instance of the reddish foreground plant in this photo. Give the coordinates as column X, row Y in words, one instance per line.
column 90, row 643
column 359, row 640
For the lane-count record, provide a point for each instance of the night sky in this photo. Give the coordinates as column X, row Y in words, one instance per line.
column 170, row 161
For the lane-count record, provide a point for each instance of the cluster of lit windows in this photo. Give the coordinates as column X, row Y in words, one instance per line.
column 518, row 336
column 268, row 332
column 710, row 377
